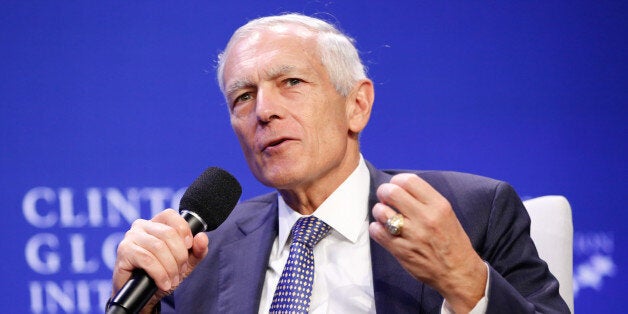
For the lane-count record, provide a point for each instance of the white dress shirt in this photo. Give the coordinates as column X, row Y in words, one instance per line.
column 343, row 278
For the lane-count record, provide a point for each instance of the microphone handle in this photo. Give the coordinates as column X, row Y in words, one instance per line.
column 140, row 288
column 134, row 294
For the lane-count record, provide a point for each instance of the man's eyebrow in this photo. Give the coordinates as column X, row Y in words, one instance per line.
column 239, row 84
column 280, row 70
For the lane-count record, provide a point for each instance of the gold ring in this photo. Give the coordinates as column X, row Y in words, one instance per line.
column 394, row 224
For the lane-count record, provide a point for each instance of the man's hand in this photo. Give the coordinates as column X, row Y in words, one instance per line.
column 164, row 248
column 432, row 245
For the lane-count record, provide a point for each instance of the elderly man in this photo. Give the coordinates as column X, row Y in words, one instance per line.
column 384, row 241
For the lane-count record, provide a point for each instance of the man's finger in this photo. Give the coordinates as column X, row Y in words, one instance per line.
column 200, row 245
column 135, row 256
column 418, row 188
column 378, row 232
column 173, row 219
column 381, row 213
column 166, row 245
column 398, row 198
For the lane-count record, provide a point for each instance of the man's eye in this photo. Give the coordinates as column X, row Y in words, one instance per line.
column 243, row 97
column 293, row 81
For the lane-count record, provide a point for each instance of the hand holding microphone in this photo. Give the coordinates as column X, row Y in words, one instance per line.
column 158, row 254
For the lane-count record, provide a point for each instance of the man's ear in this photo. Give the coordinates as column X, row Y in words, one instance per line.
column 359, row 105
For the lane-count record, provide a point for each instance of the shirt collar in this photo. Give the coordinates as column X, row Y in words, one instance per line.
column 345, row 210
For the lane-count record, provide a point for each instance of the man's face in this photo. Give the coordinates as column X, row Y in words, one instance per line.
column 291, row 122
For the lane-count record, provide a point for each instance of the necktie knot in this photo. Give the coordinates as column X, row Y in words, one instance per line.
column 309, row 230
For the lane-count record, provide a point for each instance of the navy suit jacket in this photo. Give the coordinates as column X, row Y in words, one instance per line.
column 230, row 278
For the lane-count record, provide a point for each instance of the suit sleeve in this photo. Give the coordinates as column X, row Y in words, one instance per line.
column 166, row 305
column 520, row 281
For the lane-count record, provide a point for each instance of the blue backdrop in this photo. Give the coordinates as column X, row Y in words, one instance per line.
column 108, row 110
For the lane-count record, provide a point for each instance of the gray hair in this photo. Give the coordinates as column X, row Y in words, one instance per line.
column 337, row 51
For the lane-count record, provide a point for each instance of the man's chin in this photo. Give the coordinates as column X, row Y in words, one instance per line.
column 280, row 179
column 279, row 183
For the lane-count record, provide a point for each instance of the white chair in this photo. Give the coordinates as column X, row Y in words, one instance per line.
column 551, row 230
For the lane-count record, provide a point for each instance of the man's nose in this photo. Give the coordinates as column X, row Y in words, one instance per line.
column 268, row 105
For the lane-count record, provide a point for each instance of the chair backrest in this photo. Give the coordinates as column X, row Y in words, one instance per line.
column 551, row 230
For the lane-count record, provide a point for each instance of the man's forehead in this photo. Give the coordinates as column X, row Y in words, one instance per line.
column 246, row 53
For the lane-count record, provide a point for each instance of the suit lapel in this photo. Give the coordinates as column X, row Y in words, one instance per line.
column 243, row 262
column 396, row 291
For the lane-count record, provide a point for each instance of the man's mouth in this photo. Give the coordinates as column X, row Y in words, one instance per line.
column 275, row 143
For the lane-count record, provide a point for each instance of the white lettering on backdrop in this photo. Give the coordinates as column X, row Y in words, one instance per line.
column 71, row 259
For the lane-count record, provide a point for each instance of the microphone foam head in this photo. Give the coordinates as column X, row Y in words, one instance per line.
column 212, row 196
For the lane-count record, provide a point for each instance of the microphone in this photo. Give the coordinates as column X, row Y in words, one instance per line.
column 205, row 204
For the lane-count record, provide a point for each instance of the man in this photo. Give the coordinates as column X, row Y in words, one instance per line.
column 298, row 98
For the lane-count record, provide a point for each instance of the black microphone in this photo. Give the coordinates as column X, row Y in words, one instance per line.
column 205, row 205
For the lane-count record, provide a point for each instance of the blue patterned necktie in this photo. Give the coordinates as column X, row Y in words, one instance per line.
column 295, row 285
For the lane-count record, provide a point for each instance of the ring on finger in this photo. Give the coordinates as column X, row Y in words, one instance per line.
column 394, row 224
